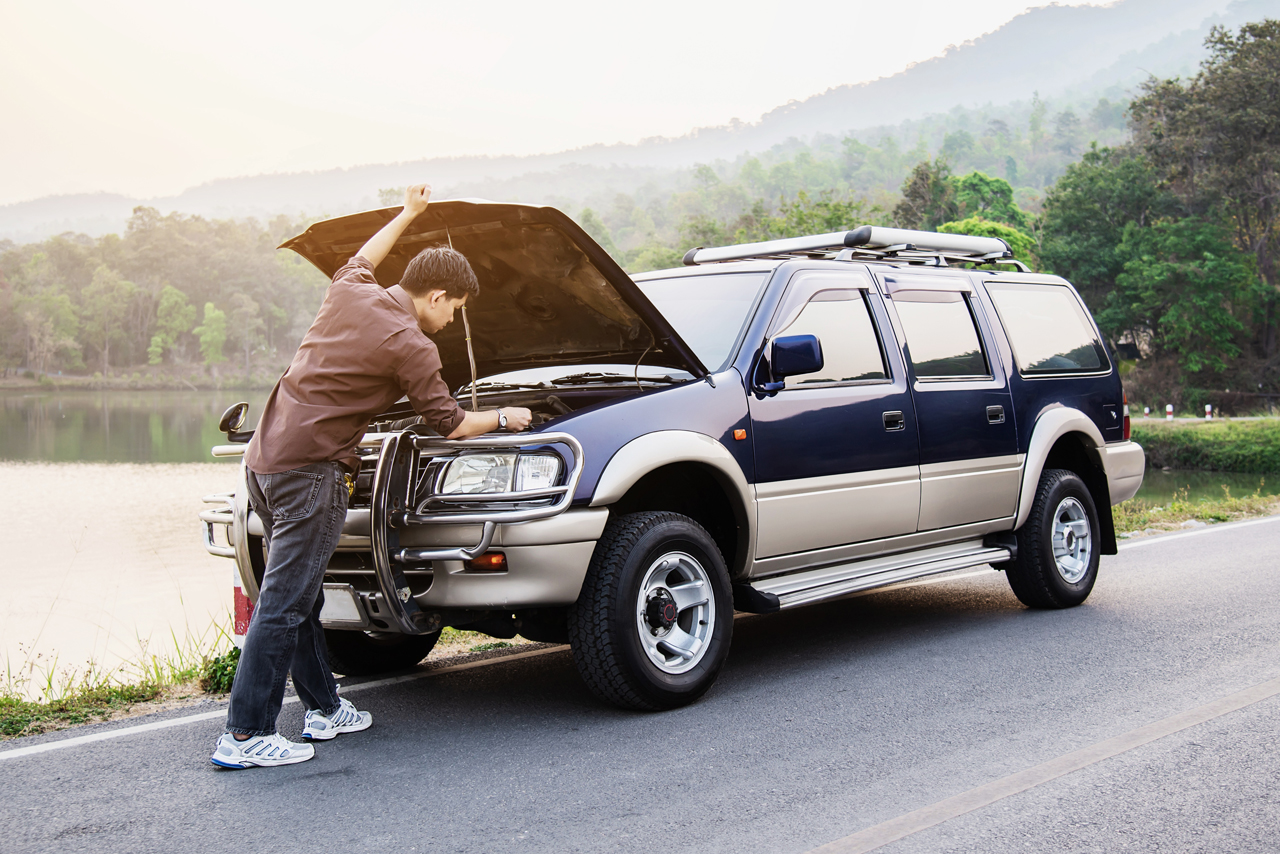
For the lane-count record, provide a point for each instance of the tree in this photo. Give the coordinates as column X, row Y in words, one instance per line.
column 596, row 229
column 105, row 306
column 1022, row 244
column 1186, row 287
column 928, row 197
column 246, row 324
column 174, row 317
column 212, row 334
column 1216, row 141
column 50, row 322
column 978, row 194
column 1087, row 210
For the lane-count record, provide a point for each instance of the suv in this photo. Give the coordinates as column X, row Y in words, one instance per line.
column 773, row 425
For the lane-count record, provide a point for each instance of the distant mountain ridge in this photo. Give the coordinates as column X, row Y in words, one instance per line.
column 1055, row 50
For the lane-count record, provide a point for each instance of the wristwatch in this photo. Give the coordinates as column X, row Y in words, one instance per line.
column 502, row 420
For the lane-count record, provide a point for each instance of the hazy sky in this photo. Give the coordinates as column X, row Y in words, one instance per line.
column 148, row 98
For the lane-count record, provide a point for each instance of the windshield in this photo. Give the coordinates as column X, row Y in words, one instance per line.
column 707, row 311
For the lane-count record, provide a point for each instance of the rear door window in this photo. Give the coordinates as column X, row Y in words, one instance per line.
column 941, row 335
column 1048, row 329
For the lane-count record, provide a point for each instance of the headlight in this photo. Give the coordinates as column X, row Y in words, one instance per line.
column 537, row 471
column 478, row 474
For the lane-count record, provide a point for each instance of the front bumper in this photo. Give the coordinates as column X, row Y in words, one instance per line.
column 409, row 565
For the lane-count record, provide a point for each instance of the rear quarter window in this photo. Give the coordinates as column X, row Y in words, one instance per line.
column 1048, row 329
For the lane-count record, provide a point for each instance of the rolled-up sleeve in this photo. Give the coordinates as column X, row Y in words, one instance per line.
column 418, row 373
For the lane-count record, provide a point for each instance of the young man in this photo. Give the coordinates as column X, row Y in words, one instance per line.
column 365, row 350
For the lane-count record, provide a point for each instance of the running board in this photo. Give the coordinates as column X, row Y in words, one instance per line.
column 815, row 585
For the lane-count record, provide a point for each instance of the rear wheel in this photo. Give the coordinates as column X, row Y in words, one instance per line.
column 366, row 653
column 652, row 625
column 1058, row 548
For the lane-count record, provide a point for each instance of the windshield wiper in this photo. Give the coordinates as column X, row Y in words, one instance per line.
column 501, row 386
column 591, row 377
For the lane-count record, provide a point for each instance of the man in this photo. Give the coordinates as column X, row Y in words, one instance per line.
column 365, row 349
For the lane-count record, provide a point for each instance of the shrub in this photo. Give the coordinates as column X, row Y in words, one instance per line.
column 1252, row 447
column 218, row 673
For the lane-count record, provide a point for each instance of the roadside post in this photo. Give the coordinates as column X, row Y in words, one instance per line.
column 1208, row 412
column 1168, row 412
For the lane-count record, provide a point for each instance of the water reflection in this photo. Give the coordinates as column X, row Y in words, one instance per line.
column 1159, row 486
column 117, row 426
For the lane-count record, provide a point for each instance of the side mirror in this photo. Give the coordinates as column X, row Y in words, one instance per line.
column 790, row 356
column 232, row 420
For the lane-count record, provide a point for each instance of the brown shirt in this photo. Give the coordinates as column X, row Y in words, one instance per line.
column 362, row 353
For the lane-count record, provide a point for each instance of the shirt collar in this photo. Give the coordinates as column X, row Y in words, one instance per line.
column 406, row 302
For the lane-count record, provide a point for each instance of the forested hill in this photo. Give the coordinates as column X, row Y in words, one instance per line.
column 1071, row 56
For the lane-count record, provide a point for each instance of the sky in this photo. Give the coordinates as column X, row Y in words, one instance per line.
column 149, row 98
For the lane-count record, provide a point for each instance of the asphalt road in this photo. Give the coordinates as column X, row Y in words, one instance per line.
column 826, row 721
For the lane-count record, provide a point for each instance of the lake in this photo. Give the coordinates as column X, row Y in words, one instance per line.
column 117, row 426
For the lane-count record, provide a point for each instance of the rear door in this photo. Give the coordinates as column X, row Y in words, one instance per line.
column 969, row 463
column 836, row 450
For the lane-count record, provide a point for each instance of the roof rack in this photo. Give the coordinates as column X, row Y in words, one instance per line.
column 868, row 242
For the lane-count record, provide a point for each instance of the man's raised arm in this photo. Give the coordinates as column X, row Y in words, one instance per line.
column 379, row 246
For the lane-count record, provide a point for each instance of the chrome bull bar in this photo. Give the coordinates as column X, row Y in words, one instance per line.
column 394, row 510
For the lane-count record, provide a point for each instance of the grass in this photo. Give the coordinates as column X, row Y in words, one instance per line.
column 1139, row 515
column 1250, row 447
column 40, row 696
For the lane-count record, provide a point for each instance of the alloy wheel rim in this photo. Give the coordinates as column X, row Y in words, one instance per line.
column 675, row 612
column 1072, row 540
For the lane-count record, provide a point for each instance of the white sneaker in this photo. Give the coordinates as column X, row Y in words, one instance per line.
column 347, row 719
column 261, row 750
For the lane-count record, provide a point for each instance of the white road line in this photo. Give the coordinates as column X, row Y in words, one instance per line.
column 1164, row 538
column 989, row 793
column 138, row 729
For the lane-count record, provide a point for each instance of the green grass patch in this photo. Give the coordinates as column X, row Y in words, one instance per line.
column 1251, row 447
column 22, row 717
column 1138, row 514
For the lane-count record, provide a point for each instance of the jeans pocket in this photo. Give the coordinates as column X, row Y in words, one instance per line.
column 292, row 494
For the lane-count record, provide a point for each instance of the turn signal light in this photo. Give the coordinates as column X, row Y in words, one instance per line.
column 1126, row 416
column 488, row 562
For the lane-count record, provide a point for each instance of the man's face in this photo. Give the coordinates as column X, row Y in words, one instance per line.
column 435, row 310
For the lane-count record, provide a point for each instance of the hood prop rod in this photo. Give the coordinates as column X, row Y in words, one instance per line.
column 466, row 326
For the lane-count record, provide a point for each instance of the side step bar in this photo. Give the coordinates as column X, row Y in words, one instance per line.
column 829, row 582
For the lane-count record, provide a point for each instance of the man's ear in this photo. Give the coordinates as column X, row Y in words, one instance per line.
column 436, row 297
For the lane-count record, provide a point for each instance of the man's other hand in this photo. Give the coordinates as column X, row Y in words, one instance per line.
column 416, row 199
column 518, row 418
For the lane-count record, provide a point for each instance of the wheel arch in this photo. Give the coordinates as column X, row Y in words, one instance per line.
column 688, row 473
column 1066, row 438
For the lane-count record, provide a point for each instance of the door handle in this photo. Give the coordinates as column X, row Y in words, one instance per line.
column 995, row 414
column 894, row 421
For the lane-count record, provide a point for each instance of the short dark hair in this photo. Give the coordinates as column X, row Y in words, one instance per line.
column 440, row 269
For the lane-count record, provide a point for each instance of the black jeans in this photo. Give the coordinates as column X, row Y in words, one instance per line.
column 302, row 512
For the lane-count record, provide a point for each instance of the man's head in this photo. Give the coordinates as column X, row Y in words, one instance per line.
column 439, row 281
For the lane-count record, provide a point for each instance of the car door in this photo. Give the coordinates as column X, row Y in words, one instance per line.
column 969, row 463
column 836, row 450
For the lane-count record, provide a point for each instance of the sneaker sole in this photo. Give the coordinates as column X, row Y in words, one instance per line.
column 250, row 763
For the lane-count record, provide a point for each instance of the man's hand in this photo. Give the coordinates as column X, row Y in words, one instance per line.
column 416, row 198
column 380, row 245
column 518, row 418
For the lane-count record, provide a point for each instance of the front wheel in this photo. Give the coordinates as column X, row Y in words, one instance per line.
column 367, row 654
column 652, row 625
column 1057, row 562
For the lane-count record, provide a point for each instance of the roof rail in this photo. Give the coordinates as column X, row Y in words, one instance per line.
column 867, row 240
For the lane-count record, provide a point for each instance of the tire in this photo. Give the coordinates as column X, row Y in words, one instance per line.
column 636, row 643
column 365, row 654
column 1063, row 511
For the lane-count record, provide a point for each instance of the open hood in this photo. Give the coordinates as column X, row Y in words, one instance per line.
column 549, row 295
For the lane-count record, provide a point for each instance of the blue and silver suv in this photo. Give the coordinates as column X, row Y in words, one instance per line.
column 772, row 425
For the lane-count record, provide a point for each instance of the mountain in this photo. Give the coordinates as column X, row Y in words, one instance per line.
column 1063, row 52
